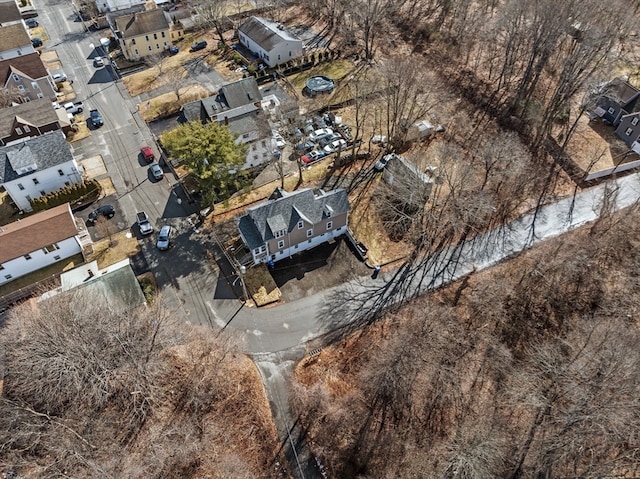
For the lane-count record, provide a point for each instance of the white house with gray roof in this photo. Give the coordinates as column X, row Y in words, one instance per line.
column 37, row 166
column 269, row 41
column 289, row 223
column 239, row 105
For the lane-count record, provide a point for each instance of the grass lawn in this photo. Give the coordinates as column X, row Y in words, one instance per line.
column 261, row 286
column 123, row 245
column 41, row 274
column 82, row 132
column 335, row 70
column 168, row 104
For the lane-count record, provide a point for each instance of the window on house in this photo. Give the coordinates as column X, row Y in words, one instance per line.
column 66, row 183
column 634, row 122
column 157, row 47
column 35, row 181
column 309, row 233
column 8, row 276
column 279, row 234
column 296, row 246
column 162, row 34
column 1, row 267
column 149, row 47
column 19, row 131
column 263, row 249
column 51, row 248
column 61, row 173
column 155, row 36
column 255, row 157
column 300, row 224
column 147, row 37
column 21, row 89
column 280, row 244
column 26, row 99
column 133, row 41
column 611, row 110
column 20, row 186
column 136, row 51
column 329, row 225
column 16, row 78
column 42, row 193
column 27, row 257
column 256, row 251
column 278, row 56
column 34, row 85
column 57, row 257
column 26, row 128
column 40, row 95
column 628, row 131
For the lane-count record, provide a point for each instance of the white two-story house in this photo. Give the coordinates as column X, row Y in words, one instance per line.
column 37, row 166
column 269, row 41
column 38, row 241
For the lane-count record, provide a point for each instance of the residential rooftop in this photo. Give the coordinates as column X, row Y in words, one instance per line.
column 36, row 231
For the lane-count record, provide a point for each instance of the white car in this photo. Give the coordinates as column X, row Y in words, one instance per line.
column 322, row 132
column 279, row 141
column 98, row 62
column 335, row 146
column 164, row 237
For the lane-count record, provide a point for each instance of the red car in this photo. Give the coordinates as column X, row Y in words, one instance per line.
column 147, row 154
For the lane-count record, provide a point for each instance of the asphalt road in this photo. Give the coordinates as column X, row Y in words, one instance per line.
column 188, row 282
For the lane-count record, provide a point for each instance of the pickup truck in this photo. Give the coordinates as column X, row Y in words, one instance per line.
column 73, row 108
column 143, row 223
column 96, row 118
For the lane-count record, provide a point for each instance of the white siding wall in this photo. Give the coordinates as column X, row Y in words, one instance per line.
column 48, row 180
column 280, row 53
column 305, row 245
column 21, row 266
column 17, row 52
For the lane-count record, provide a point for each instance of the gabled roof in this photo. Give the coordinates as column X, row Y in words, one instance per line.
column 239, row 96
column 37, row 231
column 284, row 210
column 13, row 36
column 36, row 113
column 29, row 66
column 240, row 93
column 142, row 23
column 115, row 286
column 265, row 33
column 9, row 12
column 622, row 91
column 44, row 151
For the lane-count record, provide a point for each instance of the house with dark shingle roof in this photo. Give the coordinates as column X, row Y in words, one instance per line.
column 37, row 166
column 14, row 41
column 145, row 33
column 27, row 120
column 239, row 106
column 38, row 241
column 289, row 223
column 269, row 41
column 616, row 99
column 27, row 78
column 9, row 13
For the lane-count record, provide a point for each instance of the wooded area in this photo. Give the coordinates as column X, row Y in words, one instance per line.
column 530, row 369
column 92, row 393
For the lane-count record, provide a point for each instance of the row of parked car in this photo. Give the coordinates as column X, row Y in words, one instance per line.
column 326, row 134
